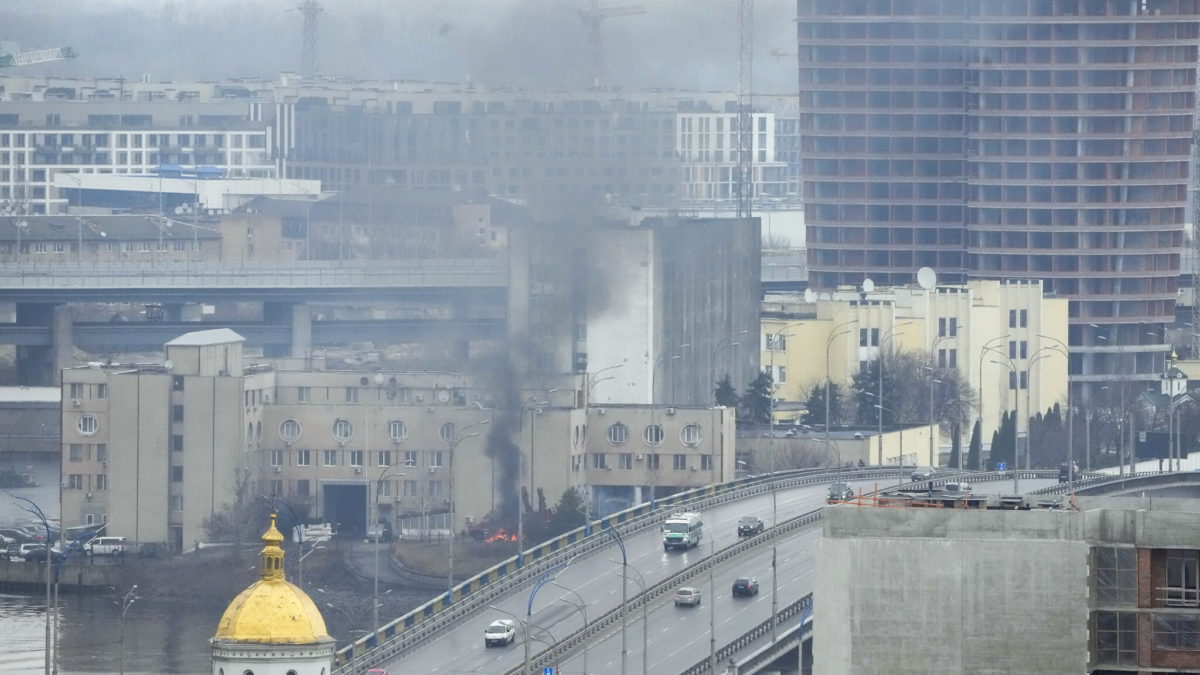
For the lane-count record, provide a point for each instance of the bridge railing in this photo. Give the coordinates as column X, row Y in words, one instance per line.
column 414, row 628
column 1095, row 480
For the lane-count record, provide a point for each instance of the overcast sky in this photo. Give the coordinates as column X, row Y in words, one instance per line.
column 689, row 44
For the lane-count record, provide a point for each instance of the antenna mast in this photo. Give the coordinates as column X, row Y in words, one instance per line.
column 744, row 186
column 311, row 9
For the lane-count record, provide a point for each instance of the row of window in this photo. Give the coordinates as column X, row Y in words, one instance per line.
column 435, row 458
column 342, row 431
column 83, row 481
column 80, row 390
column 84, row 452
column 652, row 461
column 654, row 435
column 423, row 490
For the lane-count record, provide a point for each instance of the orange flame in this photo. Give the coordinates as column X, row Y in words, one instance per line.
column 501, row 535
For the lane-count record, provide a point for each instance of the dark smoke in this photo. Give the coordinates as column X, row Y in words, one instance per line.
column 501, row 379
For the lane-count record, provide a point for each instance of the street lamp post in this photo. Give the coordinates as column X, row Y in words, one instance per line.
column 641, row 582
column 375, row 592
column 582, row 607
column 836, row 332
column 531, row 404
column 987, row 346
column 456, row 438
column 1062, row 348
column 612, row 531
column 932, row 381
column 1042, row 353
column 36, row 510
column 1012, row 367
column 125, row 603
column 653, row 458
column 773, row 343
column 889, row 335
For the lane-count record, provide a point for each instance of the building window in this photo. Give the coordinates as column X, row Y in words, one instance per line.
column 177, row 503
column 679, row 462
column 102, row 481
column 780, row 374
column 1023, row 349
column 691, row 435
column 1116, row 575
column 76, row 390
column 652, row 461
column 397, row 431
column 177, row 474
column 75, row 481
column 290, row 430
column 1024, row 377
column 625, row 461
column 87, row 425
column 435, row 488
column 1012, row 318
column 302, row 488
column 446, row 433
column 435, row 459
column 342, row 430
column 1012, row 349
column 863, row 337
column 653, row 435
column 953, row 361
column 351, row 394
column 303, row 457
column 303, row 394
column 102, row 391
column 1183, row 570
column 1012, row 379
column 177, row 442
column 76, row 452
column 706, row 462
column 177, row 383
column 102, row 452
column 383, row 458
column 385, row 489
column 176, row 413
column 1177, row 631
column 1023, row 316
column 356, row 458
column 1116, row 638
column 410, row 458
column 599, row 460
column 775, row 342
column 329, row 457
column 276, row 458
column 410, row 488
column 618, row 434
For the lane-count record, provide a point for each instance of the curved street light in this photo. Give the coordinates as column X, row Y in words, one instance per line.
column 36, row 510
column 456, row 438
column 582, row 607
column 375, row 592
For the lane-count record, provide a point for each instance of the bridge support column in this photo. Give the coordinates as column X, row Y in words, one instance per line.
column 173, row 312
column 296, row 315
column 42, row 366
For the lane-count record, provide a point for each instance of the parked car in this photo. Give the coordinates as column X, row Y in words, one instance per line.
column 839, row 492
column 149, row 550
column 18, row 536
column 36, row 553
column 500, row 632
column 745, row 586
column 748, row 526
column 108, row 546
column 687, row 596
column 924, row 473
column 957, row 488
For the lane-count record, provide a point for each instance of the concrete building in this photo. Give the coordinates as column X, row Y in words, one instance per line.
column 1005, row 340
column 1100, row 591
column 156, row 449
column 29, row 419
column 1039, row 140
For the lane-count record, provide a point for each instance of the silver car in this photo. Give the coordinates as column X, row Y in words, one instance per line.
column 687, row 596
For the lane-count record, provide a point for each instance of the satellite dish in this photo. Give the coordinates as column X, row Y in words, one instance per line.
column 868, row 285
column 926, row 278
column 810, row 295
column 168, row 364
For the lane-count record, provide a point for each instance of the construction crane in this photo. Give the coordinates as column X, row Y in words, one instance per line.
column 592, row 16
column 745, row 93
column 36, row 56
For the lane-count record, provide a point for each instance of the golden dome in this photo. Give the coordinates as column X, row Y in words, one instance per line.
column 272, row 610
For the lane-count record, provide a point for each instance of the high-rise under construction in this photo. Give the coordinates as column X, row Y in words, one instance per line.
column 1042, row 139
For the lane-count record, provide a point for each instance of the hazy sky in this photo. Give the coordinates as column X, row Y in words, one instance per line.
column 527, row 43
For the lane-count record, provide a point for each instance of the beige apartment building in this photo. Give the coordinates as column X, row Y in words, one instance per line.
column 155, row 450
column 1007, row 341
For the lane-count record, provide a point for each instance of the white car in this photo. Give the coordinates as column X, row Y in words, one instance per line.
column 500, row 632
column 687, row 596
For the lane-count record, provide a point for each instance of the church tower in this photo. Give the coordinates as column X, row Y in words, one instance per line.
column 272, row 627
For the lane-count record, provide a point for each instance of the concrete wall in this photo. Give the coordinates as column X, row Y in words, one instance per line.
column 936, row 591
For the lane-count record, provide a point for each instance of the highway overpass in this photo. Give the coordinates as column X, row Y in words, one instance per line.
column 454, row 643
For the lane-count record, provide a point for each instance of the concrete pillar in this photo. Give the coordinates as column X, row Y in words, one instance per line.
column 63, row 341
column 461, row 349
column 173, row 312
column 301, row 330
column 35, row 362
column 298, row 317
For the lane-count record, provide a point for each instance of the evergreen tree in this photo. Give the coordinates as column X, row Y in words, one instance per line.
column 756, row 402
column 725, row 394
column 955, row 446
column 975, row 449
column 815, row 404
column 568, row 513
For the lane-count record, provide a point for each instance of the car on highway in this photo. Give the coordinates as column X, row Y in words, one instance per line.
column 745, row 586
column 377, row 671
column 839, row 492
column 687, row 596
column 500, row 632
column 924, row 473
column 748, row 526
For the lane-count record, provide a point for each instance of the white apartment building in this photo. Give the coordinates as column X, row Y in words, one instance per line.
column 708, row 145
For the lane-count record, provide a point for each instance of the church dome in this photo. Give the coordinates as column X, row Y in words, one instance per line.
column 272, row 610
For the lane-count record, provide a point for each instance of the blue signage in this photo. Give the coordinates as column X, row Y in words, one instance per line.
column 1001, row 466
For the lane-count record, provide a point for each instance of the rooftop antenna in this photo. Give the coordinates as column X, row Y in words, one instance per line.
column 311, row 9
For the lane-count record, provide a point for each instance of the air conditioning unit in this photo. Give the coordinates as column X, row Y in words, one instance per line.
column 607, row 468
column 358, row 469
column 288, row 444
column 341, row 444
column 418, row 397
column 670, row 411
column 89, row 495
column 76, row 402
column 639, row 457
column 278, row 469
column 104, row 462
column 692, row 468
column 433, row 469
column 600, row 411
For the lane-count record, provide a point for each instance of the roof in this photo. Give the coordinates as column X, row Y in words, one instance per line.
column 30, row 395
column 204, row 338
column 100, row 228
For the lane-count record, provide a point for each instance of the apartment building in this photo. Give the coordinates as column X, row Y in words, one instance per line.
column 155, row 450
column 1039, row 140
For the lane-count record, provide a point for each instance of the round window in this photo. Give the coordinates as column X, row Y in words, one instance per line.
column 289, row 430
column 87, row 425
column 618, row 434
column 653, row 435
column 397, row 430
column 691, row 435
column 447, row 432
column 342, row 430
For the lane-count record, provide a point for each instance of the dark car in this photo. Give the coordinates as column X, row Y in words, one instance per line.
column 18, row 536
column 924, row 473
column 149, row 550
column 1065, row 472
column 748, row 526
column 840, row 492
column 37, row 554
column 745, row 586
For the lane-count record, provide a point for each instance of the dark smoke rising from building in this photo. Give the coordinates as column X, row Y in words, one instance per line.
column 502, row 381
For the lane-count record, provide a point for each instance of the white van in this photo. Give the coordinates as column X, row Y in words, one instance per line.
column 108, row 546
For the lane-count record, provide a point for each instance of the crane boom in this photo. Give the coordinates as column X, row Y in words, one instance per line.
column 592, row 16
column 36, row 56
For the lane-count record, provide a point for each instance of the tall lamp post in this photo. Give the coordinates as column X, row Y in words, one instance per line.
column 934, row 365
column 36, row 510
column 375, row 592
column 987, row 346
column 125, row 603
column 774, row 344
column 836, row 332
column 531, row 404
column 612, row 532
column 1061, row 347
column 889, row 335
column 652, row 459
column 1042, row 353
column 1013, row 370
column 456, row 438
column 582, row 607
